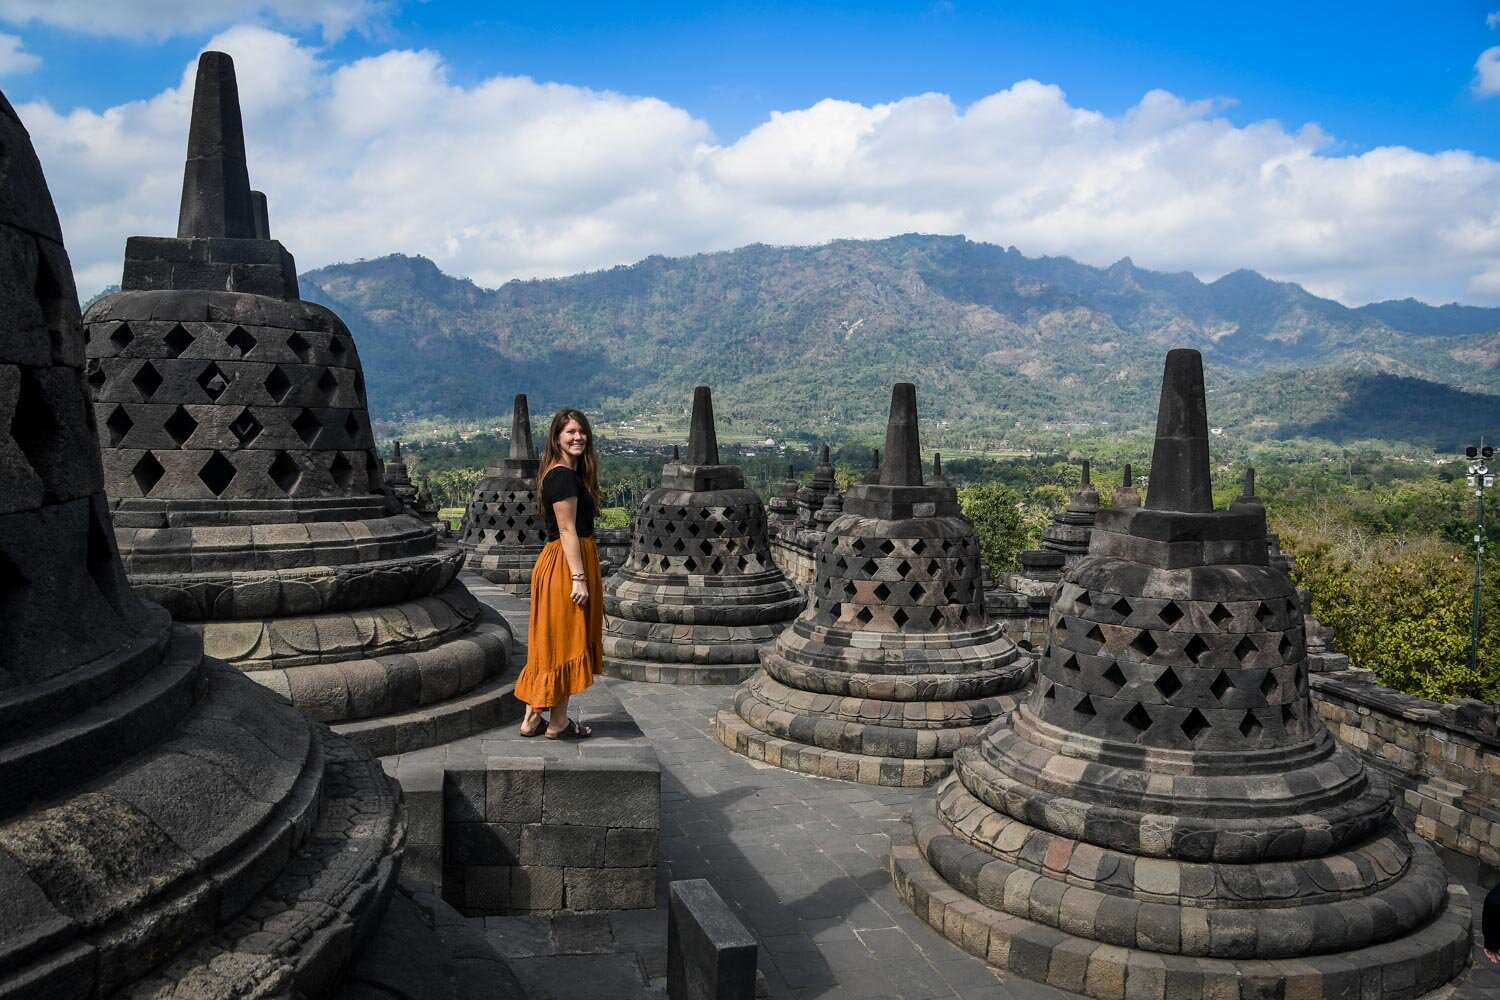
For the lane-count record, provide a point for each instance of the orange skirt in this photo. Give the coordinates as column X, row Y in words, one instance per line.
column 565, row 648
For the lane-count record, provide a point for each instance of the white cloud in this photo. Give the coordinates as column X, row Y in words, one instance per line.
column 169, row 18
column 1492, row 20
column 14, row 59
column 514, row 178
column 1487, row 72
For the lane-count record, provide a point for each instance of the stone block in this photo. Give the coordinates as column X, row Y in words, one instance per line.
column 536, row 888
column 630, row 848
column 609, row 888
column 464, row 795
column 488, row 887
column 422, row 787
column 562, row 846
column 602, row 793
column 423, row 864
column 469, row 844
column 710, row 954
column 513, row 790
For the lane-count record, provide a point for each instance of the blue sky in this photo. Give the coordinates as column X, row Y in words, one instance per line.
column 1376, row 74
column 1321, row 91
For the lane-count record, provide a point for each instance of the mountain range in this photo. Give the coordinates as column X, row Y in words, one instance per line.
column 807, row 340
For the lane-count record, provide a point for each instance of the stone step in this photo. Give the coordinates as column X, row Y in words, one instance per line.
column 739, row 736
column 487, row 706
column 1404, row 968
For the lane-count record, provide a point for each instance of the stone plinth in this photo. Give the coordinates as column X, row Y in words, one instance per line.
column 1167, row 807
column 247, row 494
column 502, row 530
column 164, row 822
column 699, row 595
column 894, row 664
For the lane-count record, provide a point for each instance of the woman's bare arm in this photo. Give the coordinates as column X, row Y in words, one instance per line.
column 566, row 512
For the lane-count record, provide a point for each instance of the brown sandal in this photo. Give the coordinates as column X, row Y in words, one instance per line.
column 539, row 730
column 572, row 731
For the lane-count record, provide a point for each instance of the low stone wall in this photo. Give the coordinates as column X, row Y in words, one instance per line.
column 792, row 551
column 614, row 548
column 524, row 834
column 1444, row 760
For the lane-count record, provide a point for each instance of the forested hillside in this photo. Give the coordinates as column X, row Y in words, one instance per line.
column 810, row 338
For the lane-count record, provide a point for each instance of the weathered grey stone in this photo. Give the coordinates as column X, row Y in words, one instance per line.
column 167, row 826
column 609, row 888
column 602, row 793
column 240, row 463
column 699, row 596
column 1168, row 776
column 710, row 954
column 894, row 663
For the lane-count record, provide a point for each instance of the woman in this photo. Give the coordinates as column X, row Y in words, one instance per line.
column 567, row 600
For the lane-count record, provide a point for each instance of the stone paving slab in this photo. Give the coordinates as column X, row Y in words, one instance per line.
column 616, row 734
column 804, row 862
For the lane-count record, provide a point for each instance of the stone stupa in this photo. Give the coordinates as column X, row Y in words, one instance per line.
column 502, row 531
column 1065, row 540
column 244, row 481
column 810, row 497
column 398, row 480
column 167, row 827
column 1167, row 812
column 894, row 664
column 699, row 596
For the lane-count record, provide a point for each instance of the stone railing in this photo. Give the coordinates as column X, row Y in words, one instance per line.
column 614, row 548
column 1444, row 761
column 792, row 550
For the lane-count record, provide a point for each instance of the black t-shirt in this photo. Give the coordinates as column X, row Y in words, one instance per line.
column 562, row 483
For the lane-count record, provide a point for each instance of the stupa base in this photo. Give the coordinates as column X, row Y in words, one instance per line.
column 488, row 706
column 898, row 772
column 677, row 673
column 1411, row 966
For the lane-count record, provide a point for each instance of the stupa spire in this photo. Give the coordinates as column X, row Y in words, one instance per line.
column 262, row 215
column 216, row 198
column 1179, row 460
column 703, row 441
column 521, row 447
column 903, row 449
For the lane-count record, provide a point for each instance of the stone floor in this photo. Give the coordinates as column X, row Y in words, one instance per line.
column 801, row 859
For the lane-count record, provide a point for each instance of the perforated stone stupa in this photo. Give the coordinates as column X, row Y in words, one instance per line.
column 164, row 822
column 699, row 596
column 245, row 486
column 503, row 532
column 894, row 664
column 1166, row 815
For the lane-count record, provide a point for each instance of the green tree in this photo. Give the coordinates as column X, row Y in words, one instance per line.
column 1401, row 607
column 995, row 512
column 455, row 487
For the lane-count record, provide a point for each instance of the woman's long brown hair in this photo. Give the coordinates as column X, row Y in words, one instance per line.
column 552, row 453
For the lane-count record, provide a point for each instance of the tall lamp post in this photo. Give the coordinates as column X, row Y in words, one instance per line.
column 1479, row 480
